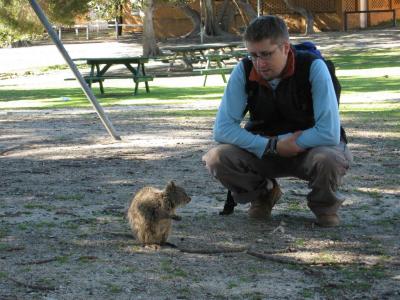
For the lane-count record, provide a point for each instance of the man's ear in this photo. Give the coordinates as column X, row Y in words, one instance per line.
column 286, row 47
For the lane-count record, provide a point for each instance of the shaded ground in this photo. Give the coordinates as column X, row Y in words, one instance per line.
column 64, row 187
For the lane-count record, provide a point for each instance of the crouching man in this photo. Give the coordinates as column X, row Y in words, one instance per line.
column 294, row 127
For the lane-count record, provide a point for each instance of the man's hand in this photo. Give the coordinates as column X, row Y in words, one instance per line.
column 287, row 147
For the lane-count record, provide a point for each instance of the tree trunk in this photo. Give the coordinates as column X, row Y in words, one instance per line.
column 226, row 15
column 307, row 14
column 150, row 48
column 246, row 11
column 211, row 27
column 194, row 17
column 119, row 19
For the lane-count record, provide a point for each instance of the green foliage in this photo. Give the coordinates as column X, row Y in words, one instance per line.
column 15, row 14
column 6, row 37
column 107, row 9
column 16, row 22
column 18, row 17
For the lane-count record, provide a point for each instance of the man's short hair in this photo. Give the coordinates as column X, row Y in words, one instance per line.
column 267, row 27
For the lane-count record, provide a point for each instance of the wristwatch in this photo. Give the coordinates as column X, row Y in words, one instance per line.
column 271, row 149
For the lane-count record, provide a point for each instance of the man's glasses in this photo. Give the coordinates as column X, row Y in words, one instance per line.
column 263, row 55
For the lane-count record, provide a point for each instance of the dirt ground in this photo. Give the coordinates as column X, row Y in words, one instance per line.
column 65, row 186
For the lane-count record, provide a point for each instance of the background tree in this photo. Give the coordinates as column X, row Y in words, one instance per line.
column 191, row 13
column 210, row 21
column 150, row 47
column 211, row 26
column 16, row 14
column 246, row 10
column 214, row 23
column 226, row 14
column 306, row 13
column 109, row 10
column 19, row 21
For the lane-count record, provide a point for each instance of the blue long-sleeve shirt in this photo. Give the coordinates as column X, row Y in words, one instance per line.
column 325, row 132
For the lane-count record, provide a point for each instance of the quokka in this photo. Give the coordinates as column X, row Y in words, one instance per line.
column 151, row 212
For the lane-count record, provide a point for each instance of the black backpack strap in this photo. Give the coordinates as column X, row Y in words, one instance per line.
column 250, row 86
column 248, row 65
column 229, row 205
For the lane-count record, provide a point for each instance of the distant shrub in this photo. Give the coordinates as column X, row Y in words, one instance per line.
column 11, row 38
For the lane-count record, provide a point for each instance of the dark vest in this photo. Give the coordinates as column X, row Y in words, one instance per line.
column 287, row 109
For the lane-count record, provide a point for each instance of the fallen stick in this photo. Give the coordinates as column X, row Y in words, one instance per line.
column 38, row 262
column 213, row 251
column 14, row 249
column 87, row 257
column 275, row 258
column 32, row 286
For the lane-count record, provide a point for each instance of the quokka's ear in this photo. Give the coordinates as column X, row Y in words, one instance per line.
column 170, row 186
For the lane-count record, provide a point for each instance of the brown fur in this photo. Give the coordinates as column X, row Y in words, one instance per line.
column 151, row 211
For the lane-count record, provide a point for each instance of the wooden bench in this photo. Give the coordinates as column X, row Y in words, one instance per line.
column 216, row 66
column 239, row 54
column 97, row 79
column 214, row 71
column 100, row 70
column 136, row 79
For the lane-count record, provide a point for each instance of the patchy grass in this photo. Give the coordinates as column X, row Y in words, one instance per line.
column 3, row 275
column 253, row 296
column 72, row 197
column 62, row 259
column 129, row 270
column 353, row 278
column 74, row 97
column 61, row 67
column 295, row 205
column 171, row 271
column 4, row 231
column 181, row 113
column 38, row 206
column 350, row 59
column 357, row 84
column 387, row 113
column 53, row 98
column 114, row 288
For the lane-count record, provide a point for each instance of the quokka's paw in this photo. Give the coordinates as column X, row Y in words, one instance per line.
column 176, row 218
column 153, row 247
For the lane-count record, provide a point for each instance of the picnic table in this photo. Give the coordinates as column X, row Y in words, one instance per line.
column 215, row 65
column 100, row 70
column 194, row 52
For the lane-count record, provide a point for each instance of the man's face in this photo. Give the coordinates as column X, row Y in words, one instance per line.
column 268, row 58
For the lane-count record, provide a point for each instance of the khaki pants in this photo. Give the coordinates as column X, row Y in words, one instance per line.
column 247, row 176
